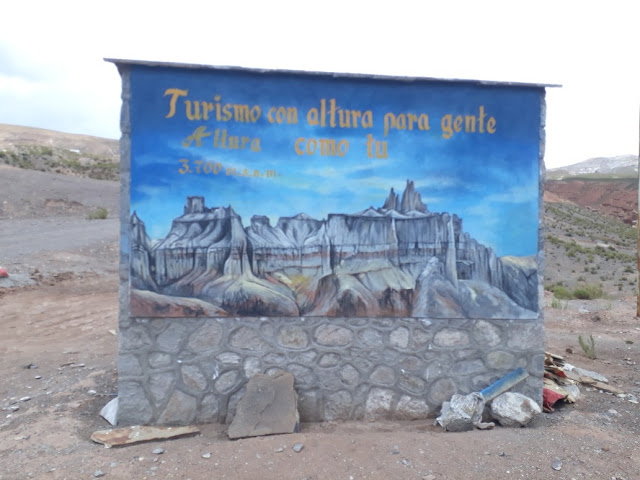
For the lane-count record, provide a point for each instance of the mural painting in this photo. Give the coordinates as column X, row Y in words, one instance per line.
column 289, row 194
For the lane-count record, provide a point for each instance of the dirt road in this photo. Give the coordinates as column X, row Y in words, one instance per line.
column 58, row 369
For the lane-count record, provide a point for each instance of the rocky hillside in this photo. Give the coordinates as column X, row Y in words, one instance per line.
column 57, row 152
column 614, row 197
column 591, row 214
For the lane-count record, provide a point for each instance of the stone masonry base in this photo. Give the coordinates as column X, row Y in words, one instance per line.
column 181, row 371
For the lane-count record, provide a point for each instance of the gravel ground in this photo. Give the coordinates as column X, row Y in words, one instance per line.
column 58, row 369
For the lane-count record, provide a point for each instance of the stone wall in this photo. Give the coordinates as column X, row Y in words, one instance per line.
column 178, row 371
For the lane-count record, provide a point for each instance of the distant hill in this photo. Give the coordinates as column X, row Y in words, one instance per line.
column 57, row 152
column 605, row 185
column 600, row 167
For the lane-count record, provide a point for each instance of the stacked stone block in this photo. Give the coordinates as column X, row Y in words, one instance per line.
column 179, row 371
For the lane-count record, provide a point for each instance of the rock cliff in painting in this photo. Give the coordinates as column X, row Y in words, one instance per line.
column 399, row 260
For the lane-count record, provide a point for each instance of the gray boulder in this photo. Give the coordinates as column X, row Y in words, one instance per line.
column 514, row 409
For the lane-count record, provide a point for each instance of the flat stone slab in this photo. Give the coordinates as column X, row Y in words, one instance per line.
column 137, row 434
column 269, row 406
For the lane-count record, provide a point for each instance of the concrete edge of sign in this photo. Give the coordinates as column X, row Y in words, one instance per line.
column 146, row 63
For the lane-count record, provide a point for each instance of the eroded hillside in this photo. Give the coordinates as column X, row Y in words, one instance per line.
column 587, row 249
column 615, row 197
column 57, row 152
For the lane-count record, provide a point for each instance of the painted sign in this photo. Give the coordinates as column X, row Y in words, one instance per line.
column 291, row 194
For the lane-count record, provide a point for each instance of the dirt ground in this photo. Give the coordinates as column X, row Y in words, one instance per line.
column 58, row 369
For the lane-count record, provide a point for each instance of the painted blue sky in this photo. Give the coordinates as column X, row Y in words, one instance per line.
column 489, row 180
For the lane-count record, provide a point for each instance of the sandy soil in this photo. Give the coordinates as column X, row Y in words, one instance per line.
column 58, row 369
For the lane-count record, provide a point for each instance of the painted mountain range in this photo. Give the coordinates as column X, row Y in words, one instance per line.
column 399, row 260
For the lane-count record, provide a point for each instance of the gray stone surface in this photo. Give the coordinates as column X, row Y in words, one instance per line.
column 378, row 403
column 227, row 381
column 449, row 337
column 349, row 375
column 329, row 360
column 412, row 408
column 130, row 363
column 161, row 386
column 383, row 375
column 210, row 361
column 209, row 409
column 338, row 406
column 247, row 339
column 293, row 337
column 370, row 337
column 169, row 340
column 501, row 360
column 180, row 410
column 251, row 367
column 333, row 335
column 269, row 406
column 486, row 334
column 229, row 359
column 399, row 337
column 411, row 383
column 461, row 413
column 441, row 390
column 159, row 359
column 206, row 337
column 513, row 409
column 193, row 378
column 304, row 375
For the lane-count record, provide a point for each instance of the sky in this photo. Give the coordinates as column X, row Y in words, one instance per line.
column 487, row 175
column 52, row 73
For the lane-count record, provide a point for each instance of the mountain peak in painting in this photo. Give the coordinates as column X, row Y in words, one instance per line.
column 399, row 260
column 411, row 201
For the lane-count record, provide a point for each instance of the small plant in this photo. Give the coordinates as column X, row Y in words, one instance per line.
column 561, row 293
column 588, row 347
column 588, row 292
column 98, row 214
column 559, row 304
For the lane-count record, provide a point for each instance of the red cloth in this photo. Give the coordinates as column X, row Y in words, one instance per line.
column 549, row 398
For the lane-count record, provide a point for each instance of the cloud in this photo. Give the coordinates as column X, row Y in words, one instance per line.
column 514, row 194
column 591, row 51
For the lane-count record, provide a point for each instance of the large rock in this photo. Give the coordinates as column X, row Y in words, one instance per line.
column 514, row 409
column 462, row 413
column 269, row 406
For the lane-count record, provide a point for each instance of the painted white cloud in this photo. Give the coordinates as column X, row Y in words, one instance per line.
column 514, row 194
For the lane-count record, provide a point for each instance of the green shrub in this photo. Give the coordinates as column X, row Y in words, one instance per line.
column 588, row 292
column 98, row 214
column 561, row 293
column 555, row 303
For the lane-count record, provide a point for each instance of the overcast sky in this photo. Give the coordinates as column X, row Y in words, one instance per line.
column 52, row 73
